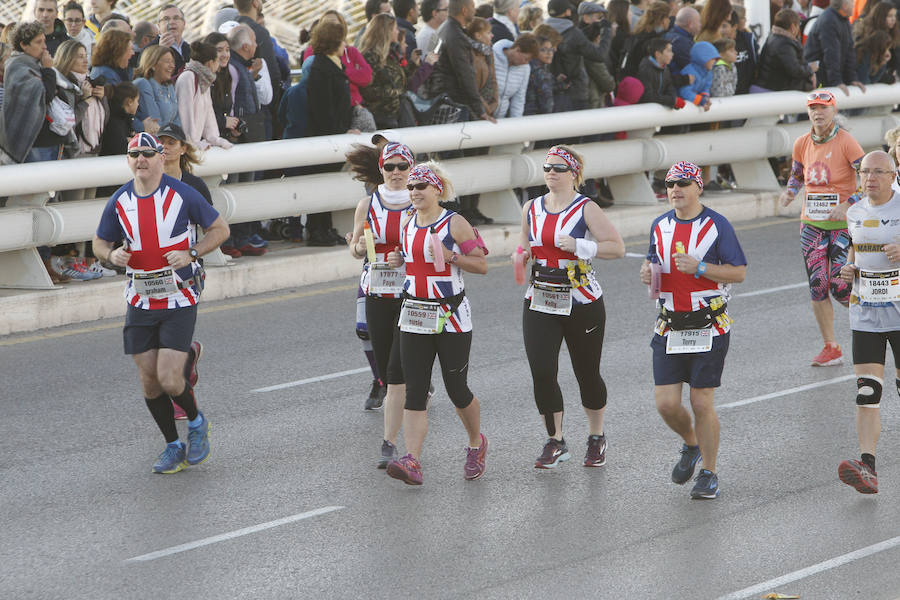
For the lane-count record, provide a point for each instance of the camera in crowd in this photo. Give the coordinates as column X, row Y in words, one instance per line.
column 241, row 127
column 97, row 81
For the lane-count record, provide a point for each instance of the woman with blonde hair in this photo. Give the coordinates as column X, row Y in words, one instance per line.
column 479, row 32
column 652, row 24
column 530, row 17
column 92, row 108
column 159, row 101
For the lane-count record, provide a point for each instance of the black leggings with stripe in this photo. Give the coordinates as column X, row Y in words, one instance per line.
column 583, row 331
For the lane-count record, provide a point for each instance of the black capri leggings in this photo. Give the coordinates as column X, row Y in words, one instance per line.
column 382, row 316
column 417, row 352
column 583, row 331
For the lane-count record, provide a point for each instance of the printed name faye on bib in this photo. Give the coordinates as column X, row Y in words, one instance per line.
column 688, row 341
column 385, row 280
column 155, row 284
column 819, row 206
column 551, row 298
column 879, row 286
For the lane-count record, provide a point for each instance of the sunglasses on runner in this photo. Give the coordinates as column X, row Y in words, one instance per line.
column 556, row 168
column 399, row 166
column 679, row 183
column 820, row 98
column 417, row 186
column 144, row 153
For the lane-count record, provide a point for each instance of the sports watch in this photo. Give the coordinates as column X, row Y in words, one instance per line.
column 194, row 254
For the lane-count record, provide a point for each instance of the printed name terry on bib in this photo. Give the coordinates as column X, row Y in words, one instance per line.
column 155, row 284
column 385, row 280
column 551, row 298
column 688, row 341
column 421, row 317
column 819, row 206
column 879, row 286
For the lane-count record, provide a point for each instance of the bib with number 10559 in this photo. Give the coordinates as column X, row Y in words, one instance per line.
column 879, row 286
column 421, row 317
column 819, row 206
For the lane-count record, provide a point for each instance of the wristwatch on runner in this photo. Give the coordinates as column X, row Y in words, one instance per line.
column 194, row 254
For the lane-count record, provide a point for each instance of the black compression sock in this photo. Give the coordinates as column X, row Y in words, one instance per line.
column 186, row 401
column 164, row 415
column 869, row 459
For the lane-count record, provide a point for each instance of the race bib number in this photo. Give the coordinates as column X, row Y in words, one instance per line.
column 385, row 280
column 551, row 298
column 155, row 284
column 689, row 341
column 819, row 206
column 421, row 317
column 879, row 286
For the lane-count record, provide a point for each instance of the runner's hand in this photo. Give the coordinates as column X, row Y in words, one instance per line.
column 566, row 243
column 685, row 263
column 645, row 273
column 394, row 258
column 786, row 198
column 178, row 258
column 839, row 212
column 848, row 272
column 892, row 251
column 119, row 257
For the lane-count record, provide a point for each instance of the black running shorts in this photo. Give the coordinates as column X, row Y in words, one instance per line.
column 161, row 328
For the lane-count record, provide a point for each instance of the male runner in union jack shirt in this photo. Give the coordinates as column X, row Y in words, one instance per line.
column 154, row 214
column 698, row 256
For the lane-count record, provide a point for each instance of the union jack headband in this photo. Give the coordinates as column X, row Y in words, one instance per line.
column 424, row 173
column 570, row 160
column 145, row 140
column 685, row 170
column 392, row 149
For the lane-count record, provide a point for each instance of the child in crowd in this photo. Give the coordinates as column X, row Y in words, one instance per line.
column 656, row 76
column 724, row 72
column 703, row 56
column 123, row 104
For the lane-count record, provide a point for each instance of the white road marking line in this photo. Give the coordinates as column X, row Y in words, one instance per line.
column 282, row 386
column 812, row 570
column 635, row 255
column 780, row 288
column 794, row 390
column 232, row 534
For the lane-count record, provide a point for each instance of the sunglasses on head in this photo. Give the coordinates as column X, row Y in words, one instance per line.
column 679, row 183
column 824, row 96
column 417, row 186
column 403, row 166
column 144, row 153
column 556, row 168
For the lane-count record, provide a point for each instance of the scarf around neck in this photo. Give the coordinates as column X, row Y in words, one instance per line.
column 825, row 138
column 205, row 77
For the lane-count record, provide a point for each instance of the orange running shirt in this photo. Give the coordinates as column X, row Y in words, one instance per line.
column 827, row 168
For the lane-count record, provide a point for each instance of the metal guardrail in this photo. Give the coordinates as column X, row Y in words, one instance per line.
column 511, row 162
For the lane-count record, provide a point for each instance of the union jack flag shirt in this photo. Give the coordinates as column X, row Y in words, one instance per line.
column 423, row 280
column 709, row 237
column 152, row 226
column 544, row 227
column 386, row 224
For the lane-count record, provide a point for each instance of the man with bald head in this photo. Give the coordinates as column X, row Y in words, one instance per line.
column 686, row 27
column 873, row 267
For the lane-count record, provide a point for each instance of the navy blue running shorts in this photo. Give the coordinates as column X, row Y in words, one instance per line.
column 161, row 328
column 700, row 370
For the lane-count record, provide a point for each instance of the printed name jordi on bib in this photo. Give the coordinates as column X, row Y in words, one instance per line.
column 689, row 340
column 421, row 317
column 819, row 206
column 551, row 298
column 155, row 284
column 879, row 286
column 385, row 280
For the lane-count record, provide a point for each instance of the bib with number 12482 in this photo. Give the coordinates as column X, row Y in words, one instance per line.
column 819, row 206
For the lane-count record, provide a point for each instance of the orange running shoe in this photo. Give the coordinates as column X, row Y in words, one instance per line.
column 830, row 356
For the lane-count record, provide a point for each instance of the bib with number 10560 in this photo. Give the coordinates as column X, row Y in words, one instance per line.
column 689, row 341
column 385, row 280
column 819, row 206
column 155, row 284
column 879, row 286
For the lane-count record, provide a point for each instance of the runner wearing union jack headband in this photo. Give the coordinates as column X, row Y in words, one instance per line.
column 693, row 259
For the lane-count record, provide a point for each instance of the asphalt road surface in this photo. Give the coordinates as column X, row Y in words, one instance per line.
column 290, row 504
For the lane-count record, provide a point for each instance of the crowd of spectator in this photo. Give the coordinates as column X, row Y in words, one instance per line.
column 80, row 84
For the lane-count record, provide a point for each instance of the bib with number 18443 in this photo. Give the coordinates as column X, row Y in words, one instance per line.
column 879, row 286
column 819, row 206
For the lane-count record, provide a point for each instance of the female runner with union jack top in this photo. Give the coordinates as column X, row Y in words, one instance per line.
column 693, row 258
column 562, row 231
column 383, row 213
column 436, row 319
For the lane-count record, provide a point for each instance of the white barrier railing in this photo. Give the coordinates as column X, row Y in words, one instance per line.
column 29, row 221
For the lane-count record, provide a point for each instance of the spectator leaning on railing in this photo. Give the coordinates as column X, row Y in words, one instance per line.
column 831, row 43
column 512, row 71
column 155, row 73
column 781, row 64
column 197, row 116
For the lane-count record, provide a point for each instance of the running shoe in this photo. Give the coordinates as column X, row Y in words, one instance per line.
column 231, row 251
column 180, row 415
column 250, row 250
column 830, row 356
column 75, row 270
column 376, row 395
column 407, row 469
column 198, row 442
column 257, row 241
column 171, row 460
column 684, row 470
column 388, row 453
column 96, row 267
column 555, row 452
column 596, row 451
column 858, row 475
column 475, row 460
column 707, row 486
column 190, row 365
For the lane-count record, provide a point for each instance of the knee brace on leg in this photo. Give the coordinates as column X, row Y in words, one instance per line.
column 868, row 391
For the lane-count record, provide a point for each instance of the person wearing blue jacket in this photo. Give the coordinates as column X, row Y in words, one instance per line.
column 703, row 57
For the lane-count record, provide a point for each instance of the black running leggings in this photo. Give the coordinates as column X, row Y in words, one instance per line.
column 382, row 316
column 583, row 331
column 417, row 352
